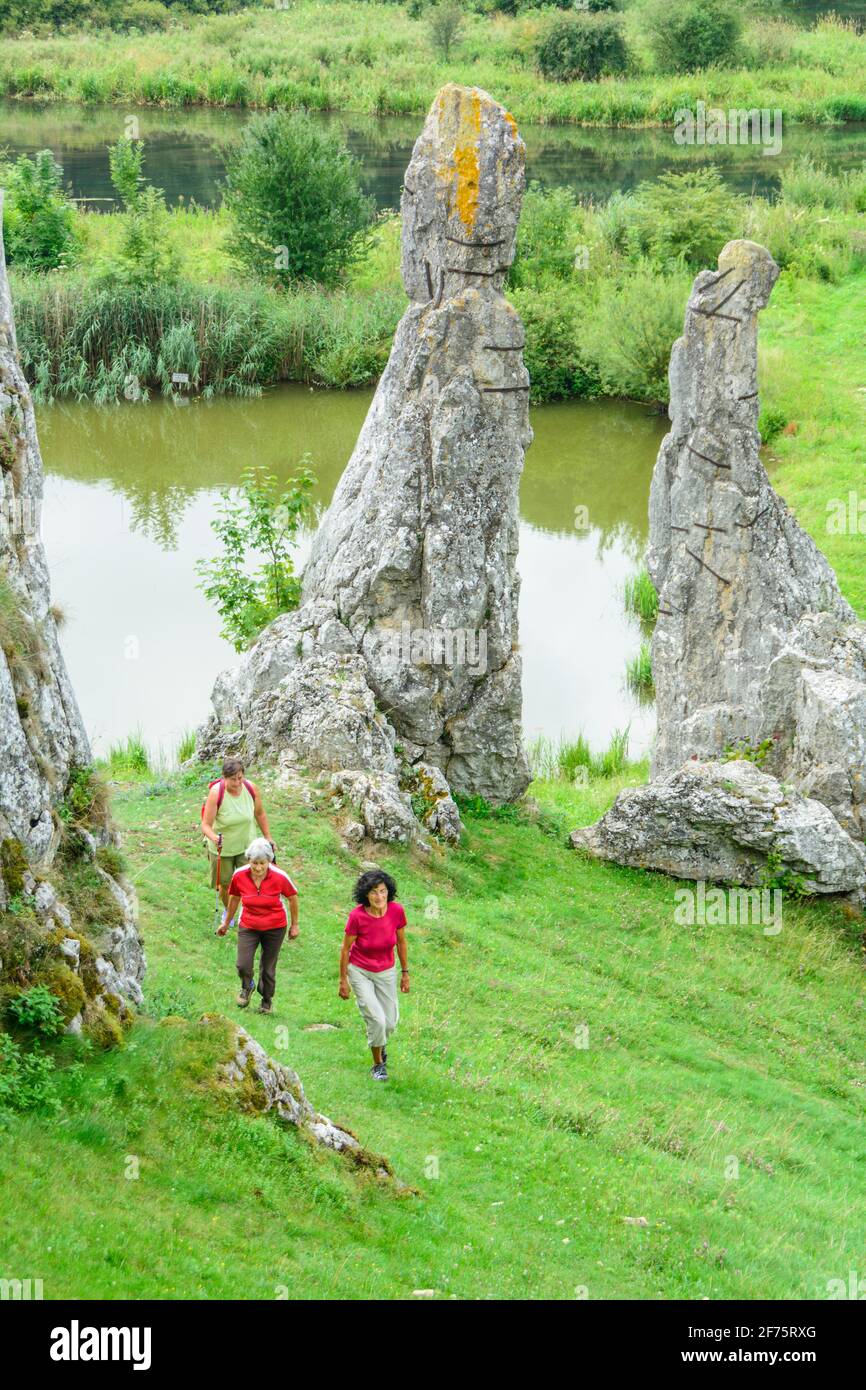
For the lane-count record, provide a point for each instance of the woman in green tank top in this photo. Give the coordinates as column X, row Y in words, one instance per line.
column 231, row 818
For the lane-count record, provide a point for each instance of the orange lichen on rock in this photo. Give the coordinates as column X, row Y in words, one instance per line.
column 461, row 111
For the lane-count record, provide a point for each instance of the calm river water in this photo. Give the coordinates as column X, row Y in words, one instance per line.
column 185, row 150
column 130, row 492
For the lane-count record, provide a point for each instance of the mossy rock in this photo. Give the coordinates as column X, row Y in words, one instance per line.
column 102, row 1027
column 13, row 862
column 109, row 858
column 67, row 988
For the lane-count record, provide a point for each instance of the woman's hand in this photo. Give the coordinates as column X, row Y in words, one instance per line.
column 344, row 990
column 221, row 931
column 294, row 929
column 404, row 982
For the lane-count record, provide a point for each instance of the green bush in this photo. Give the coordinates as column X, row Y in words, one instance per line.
column 295, row 195
column 688, row 216
column 631, row 330
column 692, row 34
column 146, row 253
column 27, row 1080
column 263, row 520
column 445, row 25
column 38, row 225
column 582, row 47
column 554, row 359
column 547, row 234
column 38, row 1010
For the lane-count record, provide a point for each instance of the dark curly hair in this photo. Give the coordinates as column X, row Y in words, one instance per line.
column 370, row 880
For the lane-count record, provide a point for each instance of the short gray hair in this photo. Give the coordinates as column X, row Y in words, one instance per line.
column 260, row 849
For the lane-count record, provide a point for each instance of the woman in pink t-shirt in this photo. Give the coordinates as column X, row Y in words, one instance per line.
column 376, row 927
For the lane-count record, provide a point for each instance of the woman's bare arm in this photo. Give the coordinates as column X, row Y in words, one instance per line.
column 209, row 816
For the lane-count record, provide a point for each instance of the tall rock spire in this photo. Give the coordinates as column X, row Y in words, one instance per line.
column 413, row 569
column 44, row 752
column 759, row 663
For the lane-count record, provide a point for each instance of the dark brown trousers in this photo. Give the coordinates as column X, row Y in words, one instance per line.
column 270, row 942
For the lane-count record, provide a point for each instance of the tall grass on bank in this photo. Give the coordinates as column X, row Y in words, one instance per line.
column 377, row 58
column 639, row 675
column 640, row 597
column 122, row 343
column 572, row 760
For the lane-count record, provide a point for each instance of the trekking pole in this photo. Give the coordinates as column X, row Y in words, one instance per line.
column 218, row 906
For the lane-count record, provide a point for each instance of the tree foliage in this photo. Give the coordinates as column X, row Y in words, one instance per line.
column 259, row 521
column 295, row 195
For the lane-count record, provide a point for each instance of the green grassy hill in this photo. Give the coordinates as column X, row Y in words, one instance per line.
column 713, row 1051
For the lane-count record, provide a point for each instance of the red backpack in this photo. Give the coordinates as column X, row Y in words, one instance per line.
column 222, row 791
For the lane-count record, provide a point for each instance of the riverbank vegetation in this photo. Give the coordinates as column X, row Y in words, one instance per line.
column 569, row 1033
column 387, row 58
column 601, row 288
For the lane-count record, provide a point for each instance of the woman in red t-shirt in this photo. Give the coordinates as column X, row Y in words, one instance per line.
column 375, row 928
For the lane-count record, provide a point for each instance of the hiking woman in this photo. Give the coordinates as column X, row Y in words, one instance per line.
column 375, row 927
column 228, row 820
column 259, row 889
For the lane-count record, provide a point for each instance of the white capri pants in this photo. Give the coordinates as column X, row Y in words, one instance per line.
column 376, row 993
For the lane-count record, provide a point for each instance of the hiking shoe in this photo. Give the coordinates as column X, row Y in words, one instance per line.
column 245, row 995
column 266, row 1007
column 379, row 1072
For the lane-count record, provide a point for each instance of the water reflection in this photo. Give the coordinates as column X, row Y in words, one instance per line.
column 186, row 149
column 130, row 493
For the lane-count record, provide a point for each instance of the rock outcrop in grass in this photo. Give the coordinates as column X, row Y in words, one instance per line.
column 403, row 660
column 67, row 919
column 755, row 654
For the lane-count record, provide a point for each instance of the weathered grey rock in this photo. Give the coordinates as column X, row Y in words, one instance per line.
column 377, row 804
column 42, row 738
column 413, row 569
column 755, row 647
column 279, row 1089
column 748, row 603
column 721, row 822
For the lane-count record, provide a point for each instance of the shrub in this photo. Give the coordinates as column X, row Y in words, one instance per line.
column 146, row 252
column 547, row 234
column 582, row 47
column 687, row 216
column 295, row 195
column 631, row 331
column 445, row 25
column 38, row 1010
column 693, row 34
column 554, row 358
column 27, row 1080
column 261, row 520
column 38, row 223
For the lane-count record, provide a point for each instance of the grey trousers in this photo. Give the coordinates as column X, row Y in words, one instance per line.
column 270, row 942
column 376, row 993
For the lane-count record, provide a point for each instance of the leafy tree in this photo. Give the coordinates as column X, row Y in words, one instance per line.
column 693, row 34
column 582, row 47
column 38, row 225
column 146, row 252
column 445, row 26
column 547, row 234
column 295, row 195
column 259, row 520
column 687, row 216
